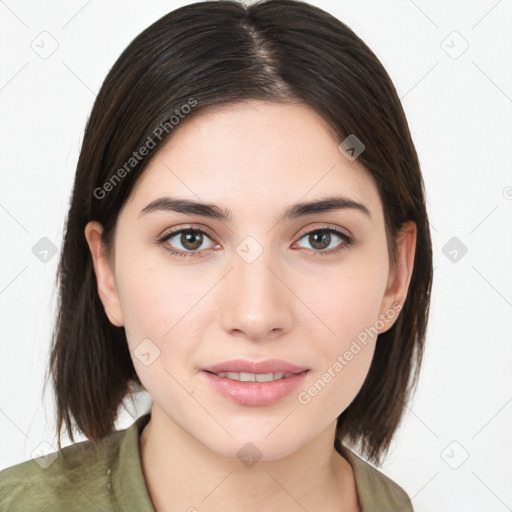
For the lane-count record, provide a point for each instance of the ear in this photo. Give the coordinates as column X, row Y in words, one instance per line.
column 400, row 275
column 105, row 276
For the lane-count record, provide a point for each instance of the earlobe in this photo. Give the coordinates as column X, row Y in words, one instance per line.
column 400, row 275
column 104, row 271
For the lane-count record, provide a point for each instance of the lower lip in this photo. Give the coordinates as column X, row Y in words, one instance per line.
column 255, row 393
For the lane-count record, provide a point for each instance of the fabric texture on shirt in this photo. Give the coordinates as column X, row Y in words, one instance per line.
column 83, row 478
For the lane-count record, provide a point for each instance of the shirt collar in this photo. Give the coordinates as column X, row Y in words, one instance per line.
column 129, row 485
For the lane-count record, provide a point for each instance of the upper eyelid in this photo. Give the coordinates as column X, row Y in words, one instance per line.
column 174, row 232
column 205, row 230
column 336, row 229
column 341, row 232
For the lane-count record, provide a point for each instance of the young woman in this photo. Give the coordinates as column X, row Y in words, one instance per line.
column 248, row 242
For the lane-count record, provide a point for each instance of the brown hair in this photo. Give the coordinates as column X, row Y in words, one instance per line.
column 213, row 53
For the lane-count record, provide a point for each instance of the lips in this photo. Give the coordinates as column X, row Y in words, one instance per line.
column 255, row 383
column 254, row 377
column 262, row 367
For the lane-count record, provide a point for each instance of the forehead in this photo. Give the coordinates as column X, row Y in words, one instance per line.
column 253, row 154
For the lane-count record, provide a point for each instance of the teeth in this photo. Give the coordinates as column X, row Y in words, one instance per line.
column 253, row 377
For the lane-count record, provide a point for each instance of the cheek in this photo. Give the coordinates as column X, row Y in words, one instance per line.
column 346, row 336
column 154, row 295
column 160, row 304
column 343, row 358
column 146, row 301
column 348, row 304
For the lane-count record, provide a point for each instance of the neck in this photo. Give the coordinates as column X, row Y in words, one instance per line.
column 183, row 474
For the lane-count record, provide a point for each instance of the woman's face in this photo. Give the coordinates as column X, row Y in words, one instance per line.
column 257, row 284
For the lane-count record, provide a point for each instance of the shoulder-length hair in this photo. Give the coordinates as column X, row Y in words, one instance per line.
column 213, row 53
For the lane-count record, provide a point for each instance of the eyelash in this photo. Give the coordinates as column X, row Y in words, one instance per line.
column 347, row 241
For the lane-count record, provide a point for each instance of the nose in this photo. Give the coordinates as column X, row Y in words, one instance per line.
column 257, row 301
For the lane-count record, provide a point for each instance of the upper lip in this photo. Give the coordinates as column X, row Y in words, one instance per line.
column 243, row 365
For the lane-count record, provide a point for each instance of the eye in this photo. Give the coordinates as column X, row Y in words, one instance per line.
column 321, row 240
column 190, row 239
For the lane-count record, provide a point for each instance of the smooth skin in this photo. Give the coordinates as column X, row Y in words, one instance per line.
column 254, row 158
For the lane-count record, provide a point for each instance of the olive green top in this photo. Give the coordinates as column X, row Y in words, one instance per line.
column 83, row 478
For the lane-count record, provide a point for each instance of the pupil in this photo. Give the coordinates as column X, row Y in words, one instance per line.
column 187, row 239
column 324, row 239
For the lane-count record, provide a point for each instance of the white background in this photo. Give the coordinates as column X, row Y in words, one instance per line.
column 459, row 111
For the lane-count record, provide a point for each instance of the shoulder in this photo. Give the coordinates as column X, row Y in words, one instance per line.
column 74, row 478
column 377, row 492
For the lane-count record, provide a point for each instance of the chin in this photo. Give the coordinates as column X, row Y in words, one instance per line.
column 258, row 446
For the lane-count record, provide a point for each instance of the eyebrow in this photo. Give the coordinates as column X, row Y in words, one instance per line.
column 212, row 211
